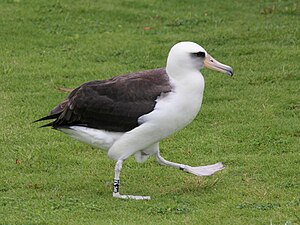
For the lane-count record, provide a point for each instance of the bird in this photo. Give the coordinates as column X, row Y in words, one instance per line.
column 128, row 115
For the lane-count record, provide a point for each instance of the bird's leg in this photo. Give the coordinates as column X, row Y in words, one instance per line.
column 116, row 193
column 198, row 171
column 118, row 168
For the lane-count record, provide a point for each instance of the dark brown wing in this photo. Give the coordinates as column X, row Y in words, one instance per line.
column 114, row 104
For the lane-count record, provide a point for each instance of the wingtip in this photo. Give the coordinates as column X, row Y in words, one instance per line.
column 45, row 125
column 49, row 117
column 37, row 120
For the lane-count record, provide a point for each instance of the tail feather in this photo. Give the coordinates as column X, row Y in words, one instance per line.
column 49, row 117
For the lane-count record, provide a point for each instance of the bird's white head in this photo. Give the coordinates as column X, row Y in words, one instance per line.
column 187, row 57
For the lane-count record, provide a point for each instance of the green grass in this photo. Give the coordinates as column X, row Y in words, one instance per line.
column 251, row 122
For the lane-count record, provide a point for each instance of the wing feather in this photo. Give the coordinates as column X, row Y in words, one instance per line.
column 114, row 104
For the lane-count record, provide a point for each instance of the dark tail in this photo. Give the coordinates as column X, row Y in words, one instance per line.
column 50, row 117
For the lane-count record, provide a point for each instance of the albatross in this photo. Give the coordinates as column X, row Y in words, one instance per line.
column 130, row 114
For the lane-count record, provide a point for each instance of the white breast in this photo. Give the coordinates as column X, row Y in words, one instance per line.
column 178, row 108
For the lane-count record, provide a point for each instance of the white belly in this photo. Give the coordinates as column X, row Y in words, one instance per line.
column 94, row 137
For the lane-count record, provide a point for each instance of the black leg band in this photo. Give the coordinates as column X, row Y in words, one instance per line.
column 116, row 185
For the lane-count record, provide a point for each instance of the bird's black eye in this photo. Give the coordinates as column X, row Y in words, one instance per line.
column 199, row 54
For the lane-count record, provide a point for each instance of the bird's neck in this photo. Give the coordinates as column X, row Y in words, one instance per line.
column 191, row 80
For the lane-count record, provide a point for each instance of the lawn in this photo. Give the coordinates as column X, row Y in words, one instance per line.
column 250, row 122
